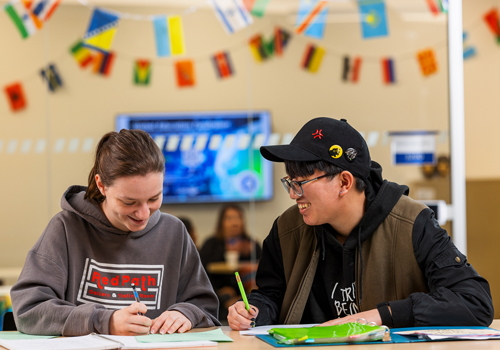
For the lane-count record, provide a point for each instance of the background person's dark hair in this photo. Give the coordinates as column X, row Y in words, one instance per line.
column 296, row 169
column 121, row 154
column 219, row 230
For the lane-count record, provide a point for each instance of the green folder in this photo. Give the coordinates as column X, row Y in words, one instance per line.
column 342, row 333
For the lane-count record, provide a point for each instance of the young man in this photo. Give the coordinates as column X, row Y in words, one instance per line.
column 356, row 246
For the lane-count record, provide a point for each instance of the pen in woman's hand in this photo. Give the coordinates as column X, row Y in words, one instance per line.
column 136, row 296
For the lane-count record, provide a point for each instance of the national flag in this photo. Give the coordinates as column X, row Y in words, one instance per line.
column 312, row 58
column 232, row 14
column 427, row 60
column 256, row 7
column 437, row 6
column 103, row 62
column 16, row 97
column 350, row 72
column 81, row 54
column 491, row 19
column 311, row 18
column 142, row 72
column 52, row 77
column 281, row 38
column 24, row 20
column 185, row 73
column 43, row 9
column 222, row 64
column 469, row 51
column 101, row 30
column 388, row 71
column 261, row 50
column 169, row 35
column 373, row 18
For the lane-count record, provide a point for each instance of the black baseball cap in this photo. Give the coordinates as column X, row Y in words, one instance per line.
column 331, row 140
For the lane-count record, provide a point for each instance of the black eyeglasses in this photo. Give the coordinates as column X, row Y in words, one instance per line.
column 296, row 186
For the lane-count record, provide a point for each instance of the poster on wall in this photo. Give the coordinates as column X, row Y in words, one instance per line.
column 413, row 147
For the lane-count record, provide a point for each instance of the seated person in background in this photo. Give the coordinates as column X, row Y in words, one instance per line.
column 230, row 235
column 189, row 228
column 77, row 279
column 356, row 246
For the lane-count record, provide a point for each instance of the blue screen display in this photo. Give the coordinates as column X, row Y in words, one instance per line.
column 209, row 156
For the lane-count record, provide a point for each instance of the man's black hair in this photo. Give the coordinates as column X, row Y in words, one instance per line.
column 296, row 169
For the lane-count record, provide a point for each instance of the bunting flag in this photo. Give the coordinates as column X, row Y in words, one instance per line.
column 185, row 73
column 101, row 30
column 169, row 35
column 256, row 7
column 233, row 14
column 222, row 64
column 388, row 71
column 491, row 19
column 311, row 18
column 427, row 61
column 142, row 72
column 351, row 72
column 261, row 50
column 281, row 38
column 437, row 6
column 373, row 18
column 81, row 54
column 469, row 51
column 52, row 77
column 42, row 9
column 16, row 97
column 312, row 58
column 23, row 18
column 103, row 62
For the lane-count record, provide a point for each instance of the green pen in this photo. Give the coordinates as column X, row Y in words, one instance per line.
column 242, row 291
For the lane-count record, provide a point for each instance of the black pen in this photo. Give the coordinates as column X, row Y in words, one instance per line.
column 136, row 296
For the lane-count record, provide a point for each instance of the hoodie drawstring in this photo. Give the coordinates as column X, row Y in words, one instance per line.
column 361, row 265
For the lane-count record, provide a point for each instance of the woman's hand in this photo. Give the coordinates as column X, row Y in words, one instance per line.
column 370, row 316
column 170, row 322
column 239, row 318
column 127, row 321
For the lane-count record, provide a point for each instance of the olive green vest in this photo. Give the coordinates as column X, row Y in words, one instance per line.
column 390, row 270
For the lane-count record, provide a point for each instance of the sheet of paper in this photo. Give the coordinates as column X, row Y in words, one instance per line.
column 263, row 329
column 87, row 342
column 131, row 343
column 459, row 332
column 215, row 335
column 21, row 336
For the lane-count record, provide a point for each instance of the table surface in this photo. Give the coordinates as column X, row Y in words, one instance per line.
column 253, row 343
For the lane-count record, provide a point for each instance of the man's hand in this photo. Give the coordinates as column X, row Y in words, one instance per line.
column 370, row 316
column 170, row 322
column 239, row 318
column 127, row 322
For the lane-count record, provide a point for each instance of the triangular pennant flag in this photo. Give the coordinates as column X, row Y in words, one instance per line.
column 281, row 38
column 373, row 18
column 312, row 58
column 103, row 61
column 142, row 72
column 81, row 54
column 311, row 18
column 232, row 14
column 16, row 97
column 469, row 51
column 101, row 30
column 350, row 72
column 388, row 71
column 52, row 77
column 43, row 9
column 427, row 60
column 222, row 64
column 169, row 35
column 185, row 73
column 23, row 19
column 491, row 19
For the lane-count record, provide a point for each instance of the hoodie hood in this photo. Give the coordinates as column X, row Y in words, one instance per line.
column 73, row 201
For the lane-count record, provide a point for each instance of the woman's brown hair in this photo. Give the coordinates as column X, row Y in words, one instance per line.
column 121, row 154
column 219, row 230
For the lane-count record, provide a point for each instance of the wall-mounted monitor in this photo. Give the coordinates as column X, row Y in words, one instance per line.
column 209, row 156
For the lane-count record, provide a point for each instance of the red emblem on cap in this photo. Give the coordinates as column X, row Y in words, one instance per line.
column 318, row 133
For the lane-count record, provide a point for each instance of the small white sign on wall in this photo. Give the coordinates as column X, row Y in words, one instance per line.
column 413, row 147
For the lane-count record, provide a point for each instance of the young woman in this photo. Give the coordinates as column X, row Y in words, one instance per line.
column 110, row 237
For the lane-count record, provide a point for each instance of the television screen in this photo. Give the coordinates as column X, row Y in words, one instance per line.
column 209, row 156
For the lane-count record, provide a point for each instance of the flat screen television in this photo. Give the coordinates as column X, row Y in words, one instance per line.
column 209, row 156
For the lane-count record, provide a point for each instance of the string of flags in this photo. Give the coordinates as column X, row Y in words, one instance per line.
column 29, row 16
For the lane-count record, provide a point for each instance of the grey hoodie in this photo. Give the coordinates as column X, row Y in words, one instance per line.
column 81, row 269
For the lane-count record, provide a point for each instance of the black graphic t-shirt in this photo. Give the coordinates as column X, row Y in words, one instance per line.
column 334, row 281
